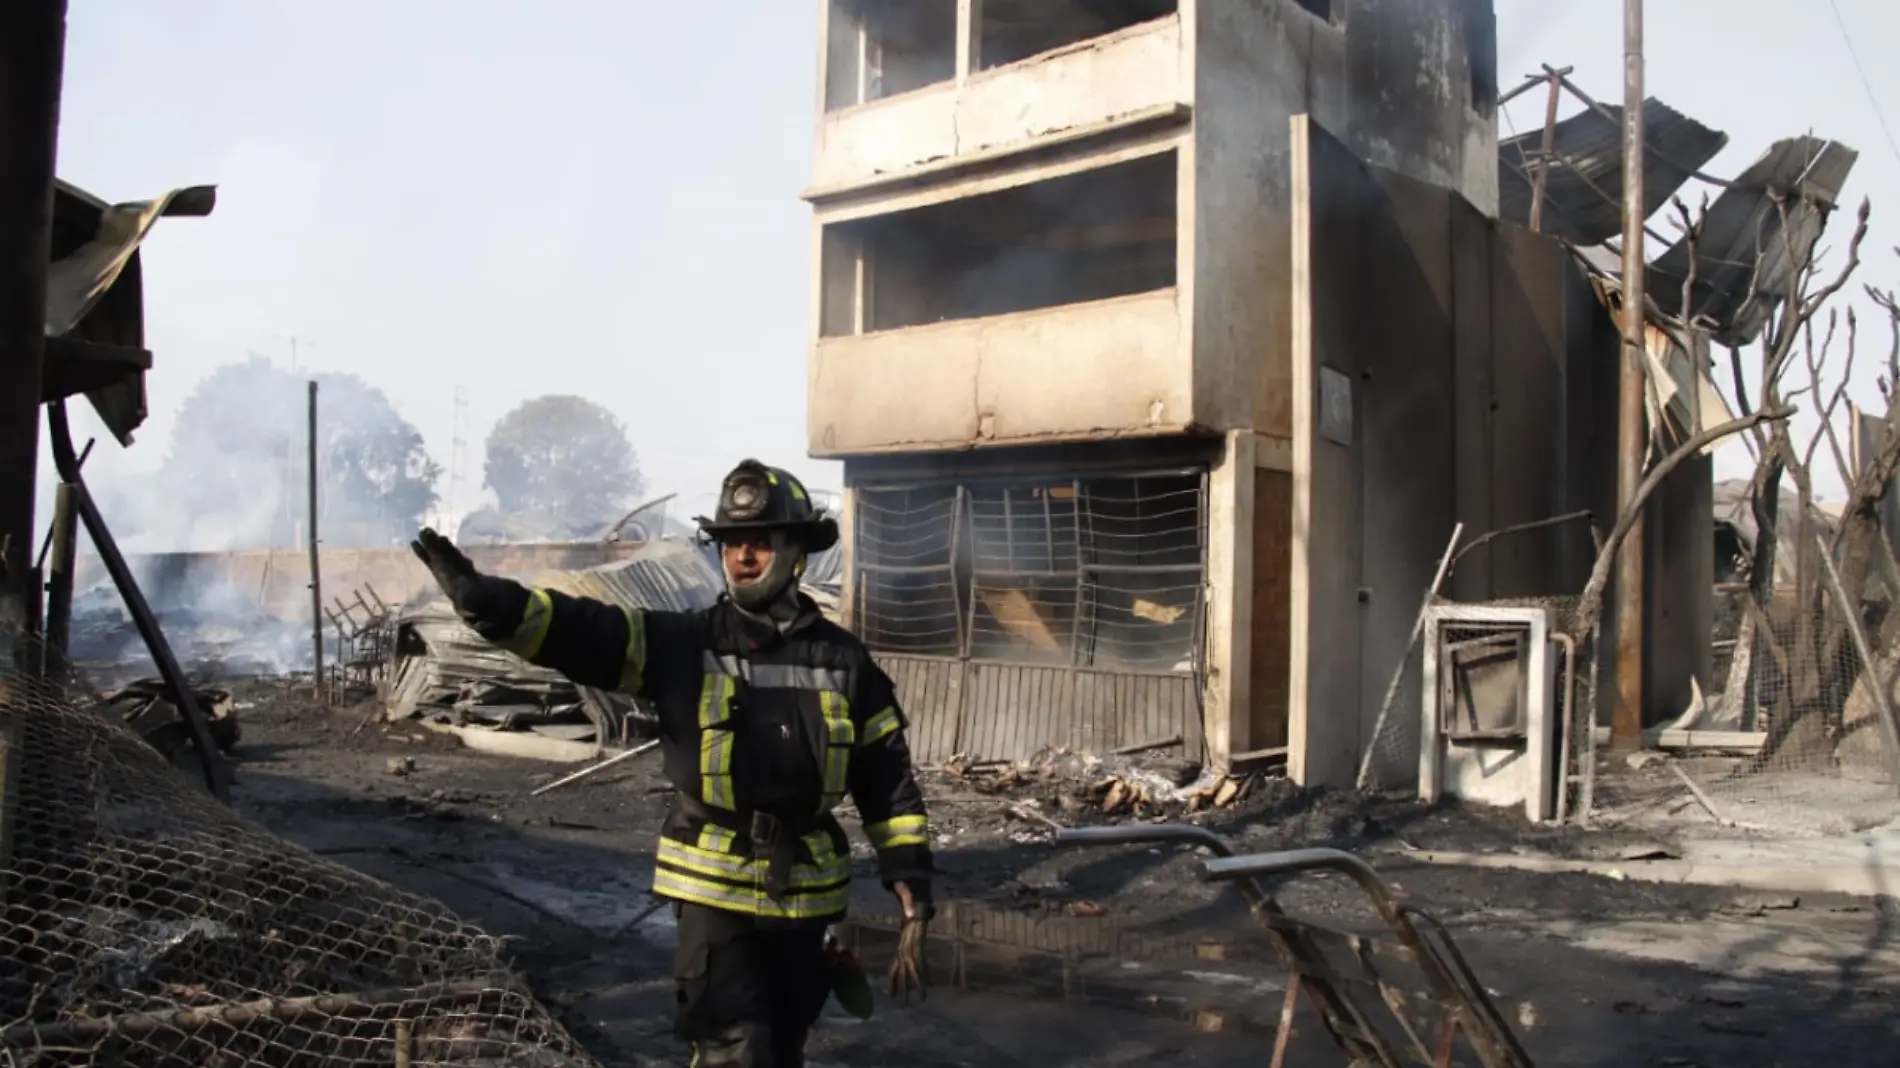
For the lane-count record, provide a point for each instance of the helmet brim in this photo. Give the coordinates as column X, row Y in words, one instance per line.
column 816, row 535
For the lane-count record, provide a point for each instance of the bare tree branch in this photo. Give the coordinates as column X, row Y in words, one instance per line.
column 1590, row 604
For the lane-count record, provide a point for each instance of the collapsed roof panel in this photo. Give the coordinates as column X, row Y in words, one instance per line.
column 94, row 294
column 443, row 668
column 1746, row 259
column 1584, row 194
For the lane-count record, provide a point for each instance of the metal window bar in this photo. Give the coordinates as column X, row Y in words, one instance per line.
column 889, row 553
column 1093, row 561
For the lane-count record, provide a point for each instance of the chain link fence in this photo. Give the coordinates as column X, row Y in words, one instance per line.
column 142, row 923
column 1815, row 748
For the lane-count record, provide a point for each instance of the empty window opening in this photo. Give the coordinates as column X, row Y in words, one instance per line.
column 1101, row 572
column 880, row 48
column 1103, row 233
column 1484, row 690
column 1014, row 30
column 1319, row 9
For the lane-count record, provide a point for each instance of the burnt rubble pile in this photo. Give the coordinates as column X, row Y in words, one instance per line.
column 150, row 708
column 1074, row 788
column 210, row 641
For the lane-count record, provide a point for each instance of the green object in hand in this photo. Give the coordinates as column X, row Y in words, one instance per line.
column 848, row 983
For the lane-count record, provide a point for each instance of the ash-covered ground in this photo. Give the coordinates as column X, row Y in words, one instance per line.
column 1076, row 957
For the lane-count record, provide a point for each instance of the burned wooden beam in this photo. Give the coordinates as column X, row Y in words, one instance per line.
column 74, row 367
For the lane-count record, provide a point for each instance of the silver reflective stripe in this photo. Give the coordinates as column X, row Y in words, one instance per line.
column 779, row 676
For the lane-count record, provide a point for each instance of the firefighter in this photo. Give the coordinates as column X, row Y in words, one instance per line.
column 770, row 716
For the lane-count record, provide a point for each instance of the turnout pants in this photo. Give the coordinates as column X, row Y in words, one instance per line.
column 747, row 992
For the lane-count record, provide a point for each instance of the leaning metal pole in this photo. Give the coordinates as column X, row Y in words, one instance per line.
column 1626, row 726
column 316, row 574
column 217, row 773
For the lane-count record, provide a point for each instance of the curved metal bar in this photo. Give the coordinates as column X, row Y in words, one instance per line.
column 1146, row 834
column 1295, row 861
column 1344, row 1020
column 1496, row 1044
column 1477, row 995
column 216, row 772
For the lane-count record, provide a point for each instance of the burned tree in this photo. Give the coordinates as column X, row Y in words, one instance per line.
column 1798, row 651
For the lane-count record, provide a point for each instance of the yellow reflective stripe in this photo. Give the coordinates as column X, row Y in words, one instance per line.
column 724, row 864
column 677, row 886
column 899, row 831
column 715, row 743
column 633, row 668
column 532, row 631
column 840, row 734
column 723, row 880
column 880, row 726
column 716, row 839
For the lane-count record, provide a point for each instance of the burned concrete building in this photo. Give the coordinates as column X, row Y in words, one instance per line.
column 1163, row 344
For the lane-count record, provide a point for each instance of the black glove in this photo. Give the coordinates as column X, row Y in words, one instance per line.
column 492, row 607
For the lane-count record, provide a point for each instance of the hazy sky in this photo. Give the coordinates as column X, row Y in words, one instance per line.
column 602, row 198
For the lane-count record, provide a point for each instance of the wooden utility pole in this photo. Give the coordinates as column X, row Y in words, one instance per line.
column 316, row 574
column 32, row 61
column 1626, row 725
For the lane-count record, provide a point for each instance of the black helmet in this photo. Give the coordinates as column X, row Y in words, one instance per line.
column 757, row 497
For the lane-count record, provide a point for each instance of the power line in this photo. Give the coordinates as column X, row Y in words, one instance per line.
column 1866, row 84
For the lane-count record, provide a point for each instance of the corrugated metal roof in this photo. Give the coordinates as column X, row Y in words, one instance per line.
column 670, row 576
column 1584, row 195
column 440, row 662
column 1805, row 173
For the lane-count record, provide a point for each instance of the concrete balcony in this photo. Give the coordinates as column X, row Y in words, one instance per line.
column 1097, row 369
column 1136, row 76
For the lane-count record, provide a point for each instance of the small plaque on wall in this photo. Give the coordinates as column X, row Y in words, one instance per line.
column 1335, row 406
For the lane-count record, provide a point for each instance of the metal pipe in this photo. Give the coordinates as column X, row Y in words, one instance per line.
column 1345, row 1023
column 64, row 541
column 32, row 62
column 591, row 769
column 46, row 543
column 1495, row 1043
column 1567, row 723
column 217, row 774
column 1146, row 834
column 1626, row 725
column 1541, row 186
column 316, row 577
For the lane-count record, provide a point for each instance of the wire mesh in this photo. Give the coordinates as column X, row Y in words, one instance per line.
column 1815, row 746
column 1485, row 691
column 1100, row 571
column 143, row 923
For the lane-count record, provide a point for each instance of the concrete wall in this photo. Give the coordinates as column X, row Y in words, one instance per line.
column 1082, row 370
column 1392, row 80
column 278, row 582
column 1396, row 81
column 1090, row 85
column 1475, row 394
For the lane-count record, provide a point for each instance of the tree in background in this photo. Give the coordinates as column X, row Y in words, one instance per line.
column 563, row 463
column 236, row 469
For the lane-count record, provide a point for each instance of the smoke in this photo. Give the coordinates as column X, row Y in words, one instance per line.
column 235, row 477
column 235, row 474
column 215, row 628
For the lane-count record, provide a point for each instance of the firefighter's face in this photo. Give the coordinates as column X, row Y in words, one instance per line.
column 748, row 556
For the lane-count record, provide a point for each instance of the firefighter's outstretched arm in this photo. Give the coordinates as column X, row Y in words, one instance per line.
column 884, row 787
column 595, row 644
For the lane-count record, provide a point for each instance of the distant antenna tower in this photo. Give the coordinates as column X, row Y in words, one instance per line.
column 458, row 453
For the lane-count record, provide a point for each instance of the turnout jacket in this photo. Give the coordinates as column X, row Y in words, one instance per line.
column 763, row 734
